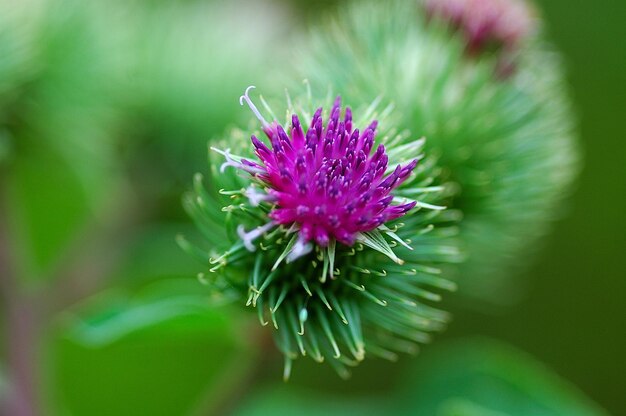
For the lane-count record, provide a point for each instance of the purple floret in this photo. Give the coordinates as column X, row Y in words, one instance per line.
column 327, row 180
column 503, row 22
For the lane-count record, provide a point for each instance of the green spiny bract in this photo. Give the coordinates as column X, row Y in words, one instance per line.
column 337, row 303
column 505, row 135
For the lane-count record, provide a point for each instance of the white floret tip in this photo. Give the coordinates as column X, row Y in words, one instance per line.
column 248, row 237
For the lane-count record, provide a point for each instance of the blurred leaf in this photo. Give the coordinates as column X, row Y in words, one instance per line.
column 59, row 117
column 465, row 378
column 154, row 254
column 17, row 63
column 163, row 307
column 192, row 62
column 48, row 205
column 69, row 99
column 156, row 353
column 288, row 400
column 484, row 377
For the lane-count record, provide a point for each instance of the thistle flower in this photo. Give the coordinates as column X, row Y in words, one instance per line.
column 326, row 182
column 314, row 238
column 500, row 26
column 508, row 142
column 503, row 23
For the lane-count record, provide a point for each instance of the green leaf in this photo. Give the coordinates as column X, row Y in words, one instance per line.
column 47, row 205
column 16, row 49
column 484, row 377
column 163, row 351
column 59, row 117
column 289, row 400
column 155, row 254
column 169, row 305
column 190, row 78
column 464, row 378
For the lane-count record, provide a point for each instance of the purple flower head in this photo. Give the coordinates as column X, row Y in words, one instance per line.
column 501, row 22
column 319, row 184
column 327, row 180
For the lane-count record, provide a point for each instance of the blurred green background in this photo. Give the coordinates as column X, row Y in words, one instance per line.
column 574, row 317
column 105, row 111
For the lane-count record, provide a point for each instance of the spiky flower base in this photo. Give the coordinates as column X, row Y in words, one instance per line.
column 335, row 289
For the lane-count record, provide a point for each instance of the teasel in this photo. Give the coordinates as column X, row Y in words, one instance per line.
column 335, row 233
column 479, row 79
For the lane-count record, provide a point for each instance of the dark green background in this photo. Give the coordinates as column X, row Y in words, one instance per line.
column 574, row 316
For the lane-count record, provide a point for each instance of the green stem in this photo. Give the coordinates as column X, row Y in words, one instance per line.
column 22, row 328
